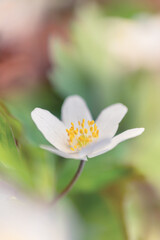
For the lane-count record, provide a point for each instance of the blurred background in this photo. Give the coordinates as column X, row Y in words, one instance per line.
column 107, row 51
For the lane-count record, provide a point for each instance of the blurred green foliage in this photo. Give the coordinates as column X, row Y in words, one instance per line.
column 26, row 165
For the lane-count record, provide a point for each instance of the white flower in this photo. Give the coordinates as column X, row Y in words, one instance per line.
column 18, row 18
column 135, row 42
column 77, row 136
column 23, row 218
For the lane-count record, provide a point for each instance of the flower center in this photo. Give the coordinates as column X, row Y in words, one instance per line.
column 82, row 135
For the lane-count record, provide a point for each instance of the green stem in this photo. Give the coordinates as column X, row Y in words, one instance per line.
column 71, row 183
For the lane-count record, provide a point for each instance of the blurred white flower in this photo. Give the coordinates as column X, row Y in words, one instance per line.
column 77, row 136
column 121, row 45
column 23, row 219
column 135, row 43
column 18, row 18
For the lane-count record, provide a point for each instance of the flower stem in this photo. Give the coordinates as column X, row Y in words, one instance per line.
column 71, row 183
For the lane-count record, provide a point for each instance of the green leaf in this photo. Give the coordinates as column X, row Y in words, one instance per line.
column 10, row 159
column 20, row 162
column 12, row 121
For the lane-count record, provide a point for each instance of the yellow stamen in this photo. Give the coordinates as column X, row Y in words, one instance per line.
column 87, row 140
column 81, row 136
column 82, row 124
column 75, row 132
column 93, row 134
column 95, row 127
column 91, row 129
column 92, row 122
column 81, row 131
column 86, row 131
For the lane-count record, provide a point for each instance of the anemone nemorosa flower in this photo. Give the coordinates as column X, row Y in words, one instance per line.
column 78, row 136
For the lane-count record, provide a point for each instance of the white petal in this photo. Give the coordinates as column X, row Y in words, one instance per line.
column 78, row 156
column 95, row 146
column 74, row 109
column 51, row 127
column 118, row 139
column 109, row 119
